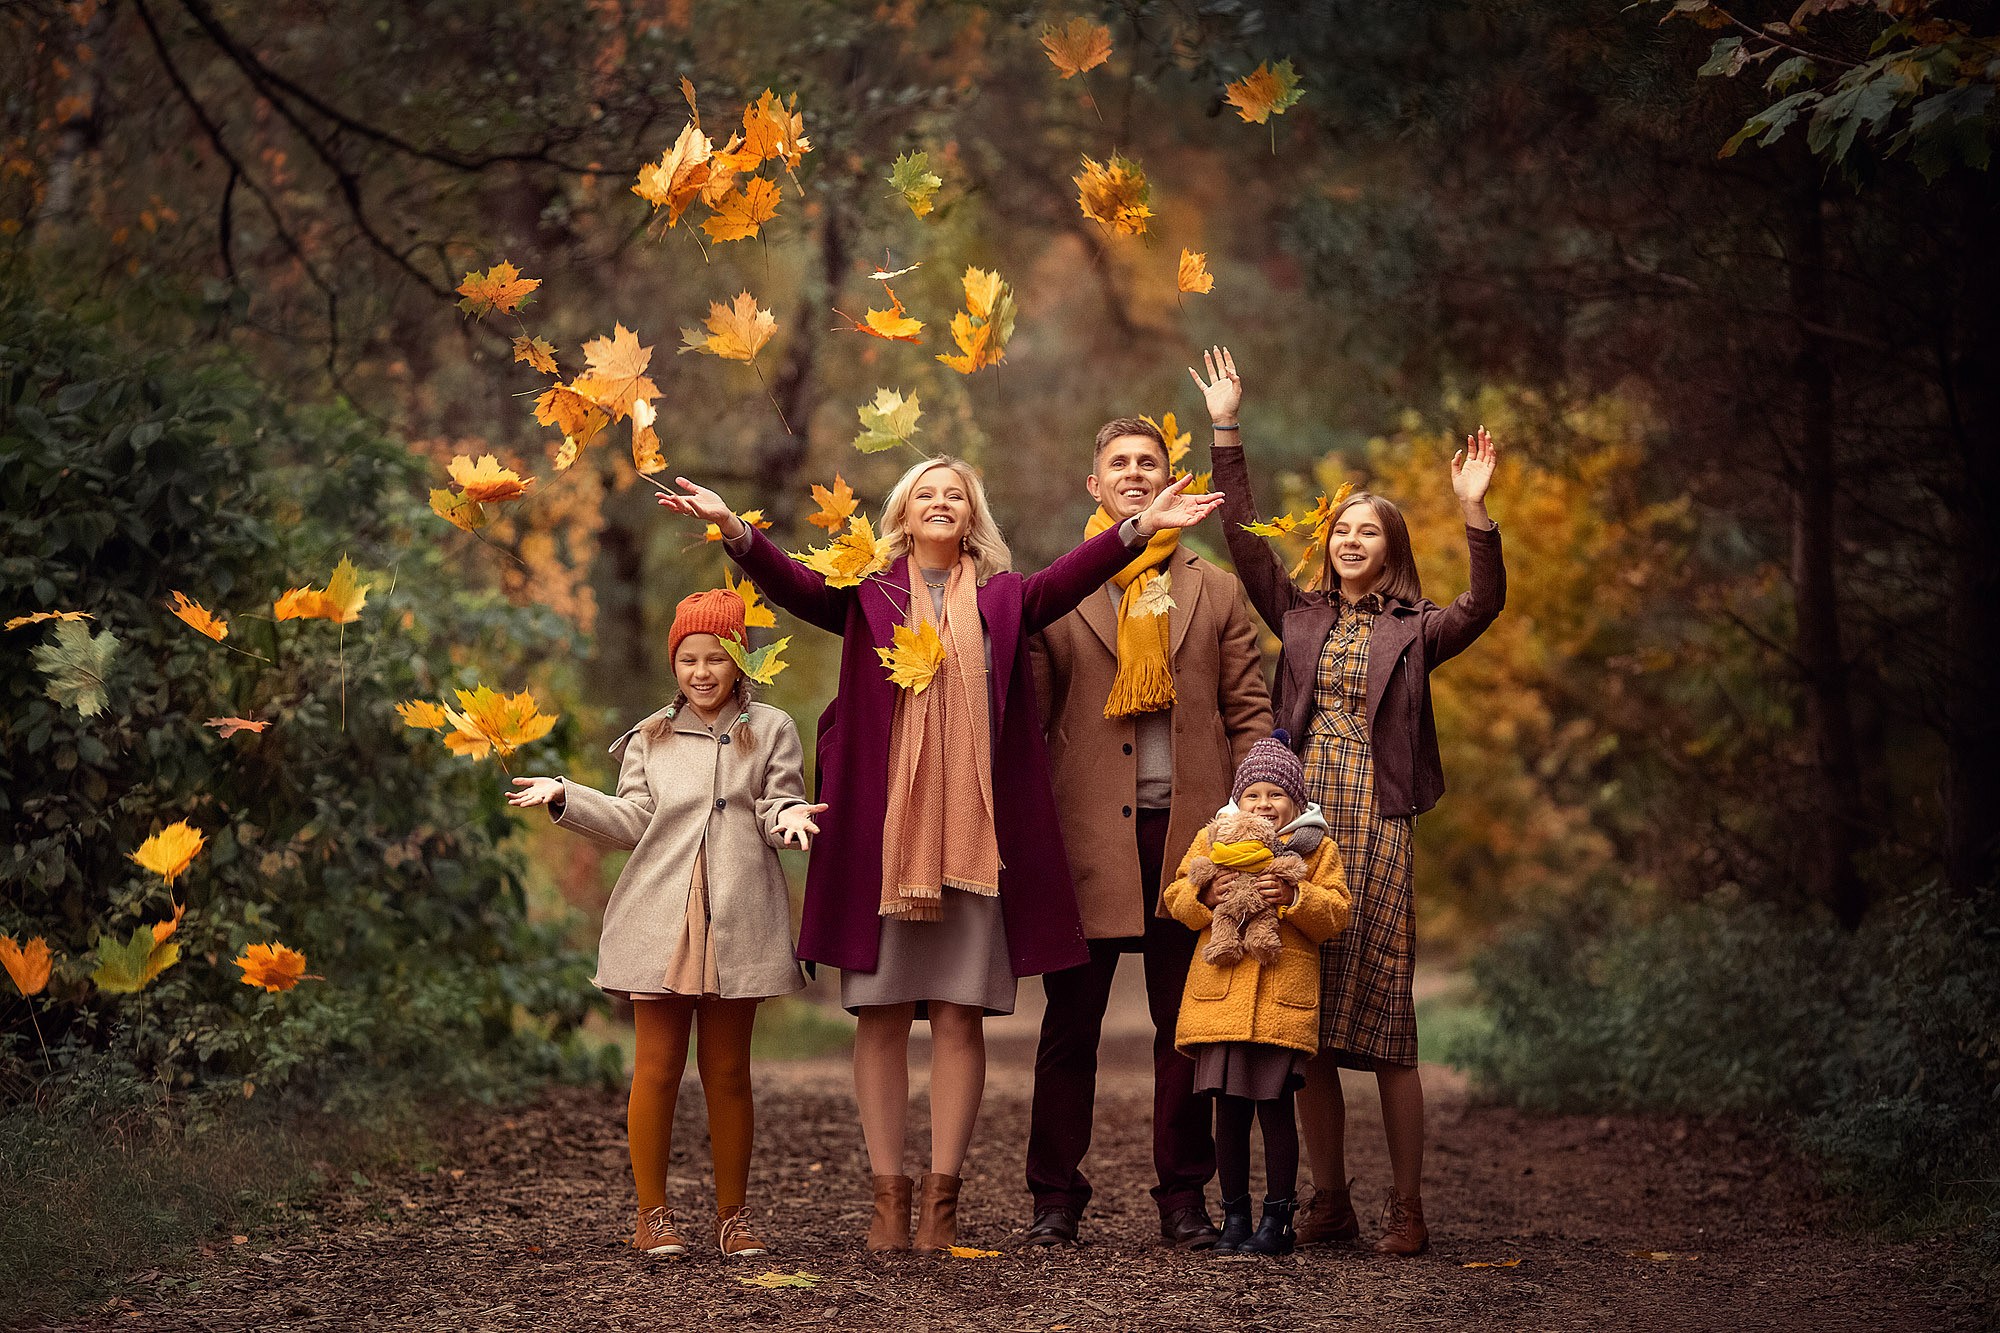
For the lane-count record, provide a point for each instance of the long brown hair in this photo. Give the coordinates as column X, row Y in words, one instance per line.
column 1399, row 571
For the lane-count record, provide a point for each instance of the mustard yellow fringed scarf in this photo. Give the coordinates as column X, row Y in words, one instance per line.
column 1145, row 679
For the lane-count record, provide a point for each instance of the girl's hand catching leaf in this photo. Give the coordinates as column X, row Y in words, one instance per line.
column 536, row 791
column 794, row 825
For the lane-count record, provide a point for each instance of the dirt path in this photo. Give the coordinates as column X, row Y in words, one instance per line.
column 1610, row 1223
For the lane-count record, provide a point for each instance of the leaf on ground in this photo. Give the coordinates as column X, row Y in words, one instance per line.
column 762, row 666
column 1194, row 275
column 28, row 964
column 1077, row 46
column 849, row 558
column 836, row 506
column 199, row 618
column 1269, row 90
column 1661, row 1256
column 737, row 331
column 617, row 375
column 646, row 455
column 777, row 1278
column 912, row 178
column 461, row 511
column 38, row 617
column 486, row 482
column 537, row 352
column 967, row 1252
column 756, row 615
column 1115, row 195
column 887, row 422
column 169, row 852
column 739, row 214
column 1493, row 1263
column 499, row 288
column 914, row 657
column 753, row 517
column 76, row 663
column 273, row 966
column 229, row 726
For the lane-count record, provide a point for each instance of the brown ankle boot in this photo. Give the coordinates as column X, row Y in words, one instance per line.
column 1404, row 1220
column 890, row 1228
column 1328, row 1218
column 937, row 1214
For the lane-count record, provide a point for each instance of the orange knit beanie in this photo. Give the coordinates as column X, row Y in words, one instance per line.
column 717, row 611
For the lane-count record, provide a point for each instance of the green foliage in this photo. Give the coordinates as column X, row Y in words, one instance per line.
column 338, row 831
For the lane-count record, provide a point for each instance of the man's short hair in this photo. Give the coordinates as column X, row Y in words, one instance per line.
column 1119, row 427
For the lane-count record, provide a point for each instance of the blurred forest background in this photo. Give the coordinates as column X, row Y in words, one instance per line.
column 1725, row 778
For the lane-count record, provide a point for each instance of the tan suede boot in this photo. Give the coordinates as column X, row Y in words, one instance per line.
column 937, row 1214
column 890, row 1228
column 1328, row 1218
column 1406, row 1232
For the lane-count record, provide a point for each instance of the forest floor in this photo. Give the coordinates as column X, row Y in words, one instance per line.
column 1554, row 1223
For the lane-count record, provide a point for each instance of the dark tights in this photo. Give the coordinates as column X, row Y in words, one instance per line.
column 1232, row 1145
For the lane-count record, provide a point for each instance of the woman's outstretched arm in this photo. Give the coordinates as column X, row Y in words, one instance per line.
column 1053, row 593
column 1262, row 573
column 784, row 580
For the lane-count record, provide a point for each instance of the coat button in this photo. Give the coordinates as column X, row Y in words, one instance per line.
column 1128, row 749
column 1128, row 812
column 722, row 739
column 722, row 803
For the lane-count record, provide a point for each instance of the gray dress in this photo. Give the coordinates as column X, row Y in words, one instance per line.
column 961, row 959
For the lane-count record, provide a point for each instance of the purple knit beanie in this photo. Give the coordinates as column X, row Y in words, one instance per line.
column 1271, row 760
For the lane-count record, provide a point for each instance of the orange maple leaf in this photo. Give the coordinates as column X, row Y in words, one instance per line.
column 339, row 601
column 1115, row 195
column 273, row 966
column 1194, row 275
column 1077, row 46
column 199, row 618
column 486, row 482
column 850, row 557
column 570, row 412
column 738, row 215
column 229, row 726
column 915, row 657
column 422, row 715
column 774, row 129
column 737, row 331
column 892, row 324
column 677, row 179
column 756, row 615
column 835, row 506
column 39, row 616
column 499, row 288
column 1266, row 91
column 537, row 352
column 460, row 511
column 982, row 329
column 617, row 374
column 28, row 965
column 646, row 455
column 494, row 721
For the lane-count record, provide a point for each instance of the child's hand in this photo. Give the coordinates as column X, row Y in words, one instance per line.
column 1277, row 892
column 536, row 791
column 794, row 825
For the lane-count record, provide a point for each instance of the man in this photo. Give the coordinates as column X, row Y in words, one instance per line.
column 1150, row 695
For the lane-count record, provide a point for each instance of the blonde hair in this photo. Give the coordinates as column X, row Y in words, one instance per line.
column 982, row 540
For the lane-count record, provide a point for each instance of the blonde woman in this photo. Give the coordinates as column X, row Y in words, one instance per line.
column 942, row 879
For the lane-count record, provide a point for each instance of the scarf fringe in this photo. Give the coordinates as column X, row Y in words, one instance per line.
column 1144, row 685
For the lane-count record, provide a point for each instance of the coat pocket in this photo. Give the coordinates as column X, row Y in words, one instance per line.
column 1205, row 980
column 1295, row 977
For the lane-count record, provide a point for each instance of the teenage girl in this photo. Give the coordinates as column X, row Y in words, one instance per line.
column 698, row 929
column 1354, row 688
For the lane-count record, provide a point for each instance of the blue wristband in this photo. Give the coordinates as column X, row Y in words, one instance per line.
column 1215, row 427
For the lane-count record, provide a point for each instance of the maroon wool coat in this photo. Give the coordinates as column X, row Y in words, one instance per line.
column 842, row 922
column 1404, row 644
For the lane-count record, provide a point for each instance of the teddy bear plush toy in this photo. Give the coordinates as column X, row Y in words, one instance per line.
column 1241, row 848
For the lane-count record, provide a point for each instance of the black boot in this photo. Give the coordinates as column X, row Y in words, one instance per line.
column 1274, row 1230
column 1235, row 1226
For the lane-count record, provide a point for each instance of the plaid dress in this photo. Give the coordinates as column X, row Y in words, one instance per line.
column 1366, row 1014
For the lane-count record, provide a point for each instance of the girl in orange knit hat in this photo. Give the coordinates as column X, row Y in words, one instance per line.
column 698, row 929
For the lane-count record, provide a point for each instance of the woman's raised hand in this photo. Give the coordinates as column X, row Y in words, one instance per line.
column 1223, row 390
column 702, row 503
column 794, row 825
column 1172, row 509
column 535, row 791
column 1472, row 471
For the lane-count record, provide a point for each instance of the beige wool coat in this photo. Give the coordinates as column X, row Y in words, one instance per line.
column 1222, row 708
column 679, row 793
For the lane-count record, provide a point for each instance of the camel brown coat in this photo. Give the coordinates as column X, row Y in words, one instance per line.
column 679, row 793
column 1222, row 708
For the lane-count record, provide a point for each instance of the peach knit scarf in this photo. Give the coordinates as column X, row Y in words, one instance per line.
column 939, row 832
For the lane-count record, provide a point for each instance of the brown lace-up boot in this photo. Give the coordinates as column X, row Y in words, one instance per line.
column 890, row 1228
column 1404, row 1222
column 937, row 1214
column 1328, row 1218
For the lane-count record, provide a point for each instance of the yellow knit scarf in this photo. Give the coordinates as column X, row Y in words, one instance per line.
column 1145, row 679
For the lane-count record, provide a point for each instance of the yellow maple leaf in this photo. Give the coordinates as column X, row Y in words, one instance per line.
column 39, row 616
column 737, row 331
column 967, row 1252
column 169, row 852
column 1115, row 195
column 835, row 506
column 761, row 667
column 754, row 517
column 499, row 288
column 646, row 455
column 739, row 214
column 915, row 657
column 1077, row 46
column 850, row 557
column 617, row 375
column 229, row 726
column 561, row 406
column 486, row 482
column 775, row 130
column 756, row 615
column 273, row 966
column 1177, row 440
column 491, row 720
column 982, row 329
column 27, row 964
column 460, row 511
column 893, row 324
column 340, row 601
column 1266, row 91
column 537, row 352
column 677, row 179
column 422, row 715
column 199, row 618
column 1194, row 275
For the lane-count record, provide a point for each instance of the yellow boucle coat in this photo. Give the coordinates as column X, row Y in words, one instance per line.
column 1276, row 1005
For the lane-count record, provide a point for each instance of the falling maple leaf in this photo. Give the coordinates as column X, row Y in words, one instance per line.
column 423, row 715
column 486, row 482
column 739, row 214
column 762, row 666
column 199, row 618
column 1194, row 275
column 1281, row 526
column 499, row 288
column 495, row 721
column 1177, row 441
column 737, row 331
column 887, row 422
column 912, row 178
column 677, row 179
column 340, row 601
column 850, row 557
column 617, row 374
column 273, row 966
column 561, row 406
column 750, row 517
column 1077, row 46
column 774, row 130
column 537, row 352
column 892, row 325
column 756, row 615
column 835, row 506
column 461, row 511
column 229, row 726
column 164, row 930
column 1268, row 90
column 77, row 664
column 1115, row 195
column 27, row 964
column 775, row 1278
column 39, row 616
column 169, row 852
column 914, row 657
column 646, row 455
column 123, row 969
column 983, row 328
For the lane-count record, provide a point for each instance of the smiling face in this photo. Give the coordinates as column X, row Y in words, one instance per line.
column 1130, row 471
column 1357, row 549
column 706, row 673
column 1269, row 800
column 939, row 510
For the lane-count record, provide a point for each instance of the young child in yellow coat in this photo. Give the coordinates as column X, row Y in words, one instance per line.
column 1250, row 1026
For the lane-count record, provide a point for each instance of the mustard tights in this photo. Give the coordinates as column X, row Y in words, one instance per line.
column 723, row 1056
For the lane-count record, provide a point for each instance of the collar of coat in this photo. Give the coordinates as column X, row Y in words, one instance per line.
column 1183, row 585
column 684, row 721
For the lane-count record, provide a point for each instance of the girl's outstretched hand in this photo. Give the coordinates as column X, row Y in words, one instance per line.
column 1173, row 509
column 1472, row 468
column 1223, row 390
column 702, row 503
column 794, row 825
column 535, row 791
